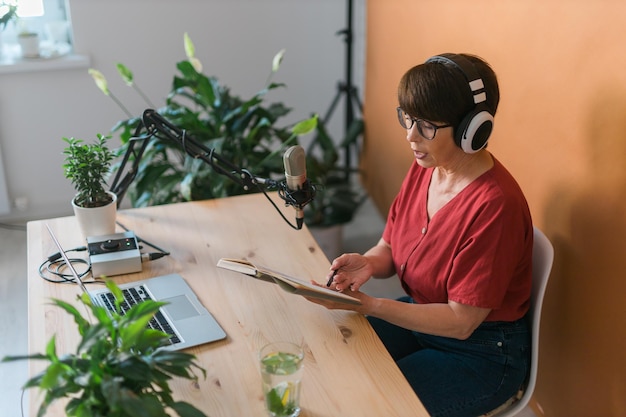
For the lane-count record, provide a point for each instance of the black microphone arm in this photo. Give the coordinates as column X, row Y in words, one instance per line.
column 154, row 123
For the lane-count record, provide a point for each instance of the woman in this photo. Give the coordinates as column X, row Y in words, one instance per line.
column 459, row 236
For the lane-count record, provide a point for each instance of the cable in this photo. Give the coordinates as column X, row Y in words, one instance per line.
column 22, row 401
column 152, row 256
column 54, row 266
column 52, row 269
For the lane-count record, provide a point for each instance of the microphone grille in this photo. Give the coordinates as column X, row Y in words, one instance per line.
column 294, row 160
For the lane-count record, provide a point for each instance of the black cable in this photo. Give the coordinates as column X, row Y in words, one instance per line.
column 52, row 269
column 162, row 252
column 277, row 209
column 54, row 265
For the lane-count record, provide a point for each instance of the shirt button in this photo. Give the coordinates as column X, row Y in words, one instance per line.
column 423, row 230
column 402, row 267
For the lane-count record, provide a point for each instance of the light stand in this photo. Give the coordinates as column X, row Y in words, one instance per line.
column 352, row 102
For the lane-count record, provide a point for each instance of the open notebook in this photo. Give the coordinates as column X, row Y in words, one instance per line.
column 184, row 318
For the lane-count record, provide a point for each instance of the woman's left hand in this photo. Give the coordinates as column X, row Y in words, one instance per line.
column 334, row 305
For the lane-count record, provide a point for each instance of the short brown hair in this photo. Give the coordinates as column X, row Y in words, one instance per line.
column 438, row 91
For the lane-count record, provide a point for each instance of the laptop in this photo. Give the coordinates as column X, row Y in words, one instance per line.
column 184, row 318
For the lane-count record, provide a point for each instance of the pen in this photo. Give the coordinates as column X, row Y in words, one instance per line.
column 330, row 280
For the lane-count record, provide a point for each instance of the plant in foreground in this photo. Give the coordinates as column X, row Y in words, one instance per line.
column 119, row 368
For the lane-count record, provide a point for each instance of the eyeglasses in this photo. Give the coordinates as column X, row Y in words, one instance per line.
column 425, row 128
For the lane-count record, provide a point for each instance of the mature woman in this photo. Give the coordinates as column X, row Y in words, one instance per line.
column 459, row 236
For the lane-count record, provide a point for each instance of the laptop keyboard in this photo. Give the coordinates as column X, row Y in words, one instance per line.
column 136, row 295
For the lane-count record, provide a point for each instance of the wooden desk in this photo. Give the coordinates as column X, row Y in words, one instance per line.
column 348, row 372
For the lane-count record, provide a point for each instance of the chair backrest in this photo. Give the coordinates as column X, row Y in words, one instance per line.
column 543, row 257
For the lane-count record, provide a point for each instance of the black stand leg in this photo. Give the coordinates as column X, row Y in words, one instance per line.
column 345, row 88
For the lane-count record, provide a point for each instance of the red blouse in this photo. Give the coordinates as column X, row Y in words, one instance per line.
column 476, row 250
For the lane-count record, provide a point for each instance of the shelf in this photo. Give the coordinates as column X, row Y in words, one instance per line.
column 11, row 62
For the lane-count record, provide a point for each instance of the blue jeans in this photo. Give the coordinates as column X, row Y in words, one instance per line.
column 461, row 377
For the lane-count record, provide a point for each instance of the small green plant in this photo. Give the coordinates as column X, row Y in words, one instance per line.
column 119, row 368
column 87, row 166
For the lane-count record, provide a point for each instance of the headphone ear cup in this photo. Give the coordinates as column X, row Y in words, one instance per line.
column 472, row 133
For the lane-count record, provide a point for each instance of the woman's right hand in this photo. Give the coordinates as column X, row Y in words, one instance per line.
column 351, row 270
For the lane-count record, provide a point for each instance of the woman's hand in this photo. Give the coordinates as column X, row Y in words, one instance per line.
column 349, row 272
column 363, row 308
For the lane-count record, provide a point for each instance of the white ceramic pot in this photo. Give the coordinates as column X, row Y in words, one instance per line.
column 96, row 221
column 29, row 43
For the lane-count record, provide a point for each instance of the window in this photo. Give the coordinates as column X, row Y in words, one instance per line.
column 48, row 19
column 30, row 8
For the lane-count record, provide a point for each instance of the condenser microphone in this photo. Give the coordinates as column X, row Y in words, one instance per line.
column 299, row 192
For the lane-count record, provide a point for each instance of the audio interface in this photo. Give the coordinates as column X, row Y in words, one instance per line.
column 114, row 254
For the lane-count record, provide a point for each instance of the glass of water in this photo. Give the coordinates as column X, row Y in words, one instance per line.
column 281, row 372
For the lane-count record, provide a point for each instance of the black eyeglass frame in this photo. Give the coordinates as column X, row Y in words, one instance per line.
column 413, row 120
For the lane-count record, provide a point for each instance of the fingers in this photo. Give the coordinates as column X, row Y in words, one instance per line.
column 343, row 281
column 346, row 272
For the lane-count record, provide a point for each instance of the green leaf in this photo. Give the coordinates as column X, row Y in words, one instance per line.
column 190, row 49
column 278, row 58
column 69, row 308
column 184, row 409
column 100, row 80
column 24, row 357
column 51, row 351
column 52, row 376
column 305, row 126
column 125, row 73
column 117, row 294
column 94, row 335
column 143, row 406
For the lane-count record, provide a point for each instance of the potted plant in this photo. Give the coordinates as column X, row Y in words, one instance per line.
column 87, row 166
column 339, row 193
column 119, row 368
column 29, row 43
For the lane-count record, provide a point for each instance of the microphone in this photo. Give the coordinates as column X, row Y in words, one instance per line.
column 299, row 192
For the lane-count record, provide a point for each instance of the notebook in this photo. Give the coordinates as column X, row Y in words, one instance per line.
column 185, row 319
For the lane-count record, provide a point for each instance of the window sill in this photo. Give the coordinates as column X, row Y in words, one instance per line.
column 11, row 62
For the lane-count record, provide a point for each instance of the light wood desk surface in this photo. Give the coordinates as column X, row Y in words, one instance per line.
column 348, row 372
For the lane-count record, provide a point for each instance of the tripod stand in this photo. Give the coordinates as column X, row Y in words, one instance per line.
column 353, row 127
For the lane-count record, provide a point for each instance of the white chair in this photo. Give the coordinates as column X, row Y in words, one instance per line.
column 543, row 256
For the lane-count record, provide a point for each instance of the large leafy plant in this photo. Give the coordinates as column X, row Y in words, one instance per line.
column 242, row 131
column 119, row 368
column 245, row 132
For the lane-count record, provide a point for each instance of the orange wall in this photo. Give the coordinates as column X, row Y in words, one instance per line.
column 561, row 131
